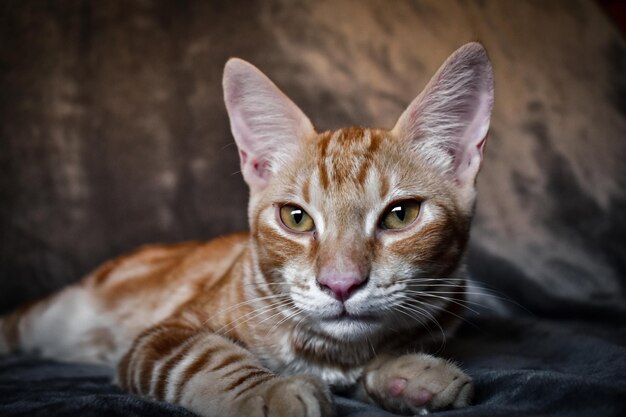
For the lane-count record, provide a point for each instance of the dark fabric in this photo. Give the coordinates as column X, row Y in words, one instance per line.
column 522, row 367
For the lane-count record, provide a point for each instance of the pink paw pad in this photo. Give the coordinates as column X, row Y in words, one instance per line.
column 396, row 386
column 420, row 397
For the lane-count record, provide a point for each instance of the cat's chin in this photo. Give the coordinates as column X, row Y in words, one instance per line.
column 350, row 326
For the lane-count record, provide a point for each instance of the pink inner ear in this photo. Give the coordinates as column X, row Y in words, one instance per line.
column 468, row 155
column 262, row 168
column 266, row 124
column 468, row 164
column 481, row 145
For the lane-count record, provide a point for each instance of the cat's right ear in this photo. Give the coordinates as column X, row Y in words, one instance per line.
column 266, row 124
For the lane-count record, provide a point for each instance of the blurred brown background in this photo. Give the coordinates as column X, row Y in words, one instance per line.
column 616, row 12
column 113, row 132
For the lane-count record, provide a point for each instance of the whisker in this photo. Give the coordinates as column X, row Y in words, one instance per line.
column 452, row 300
column 258, row 284
column 250, row 316
column 243, row 304
column 286, row 318
column 459, row 301
column 402, row 309
column 251, row 301
column 453, row 282
column 426, row 314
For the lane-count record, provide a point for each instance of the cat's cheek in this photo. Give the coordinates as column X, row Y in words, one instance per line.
column 434, row 246
column 298, row 275
column 397, row 272
column 280, row 252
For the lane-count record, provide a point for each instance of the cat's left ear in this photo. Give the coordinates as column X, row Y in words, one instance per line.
column 449, row 120
column 266, row 124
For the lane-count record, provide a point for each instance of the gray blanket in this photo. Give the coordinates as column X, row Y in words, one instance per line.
column 522, row 367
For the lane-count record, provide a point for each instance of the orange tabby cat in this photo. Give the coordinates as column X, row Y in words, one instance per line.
column 356, row 242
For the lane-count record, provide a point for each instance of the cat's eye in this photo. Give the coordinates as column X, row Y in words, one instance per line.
column 295, row 218
column 400, row 214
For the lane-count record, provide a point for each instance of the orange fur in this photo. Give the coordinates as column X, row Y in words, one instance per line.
column 214, row 325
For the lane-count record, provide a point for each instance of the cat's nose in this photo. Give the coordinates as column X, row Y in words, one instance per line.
column 341, row 285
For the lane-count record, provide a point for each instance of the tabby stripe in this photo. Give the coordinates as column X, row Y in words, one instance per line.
column 162, row 373
column 177, row 372
column 161, row 345
column 305, row 190
column 133, row 355
column 138, row 357
column 242, row 368
column 261, row 291
column 145, row 368
column 194, row 368
column 322, row 145
column 249, row 387
column 384, row 186
column 122, row 372
column 156, row 343
column 245, row 377
column 228, row 360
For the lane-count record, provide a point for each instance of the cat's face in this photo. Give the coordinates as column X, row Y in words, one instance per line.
column 362, row 229
column 356, row 226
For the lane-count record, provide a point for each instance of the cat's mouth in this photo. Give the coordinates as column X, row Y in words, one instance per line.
column 345, row 316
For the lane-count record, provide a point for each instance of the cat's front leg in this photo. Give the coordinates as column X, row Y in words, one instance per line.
column 213, row 376
column 414, row 383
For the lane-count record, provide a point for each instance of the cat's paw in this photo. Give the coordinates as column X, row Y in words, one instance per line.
column 417, row 383
column 295, row 396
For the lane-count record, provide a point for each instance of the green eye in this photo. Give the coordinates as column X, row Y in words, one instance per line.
column 401, row 214
column 295, row 218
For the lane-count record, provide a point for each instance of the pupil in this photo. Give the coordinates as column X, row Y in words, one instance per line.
column 399, row 212
column 297, row 216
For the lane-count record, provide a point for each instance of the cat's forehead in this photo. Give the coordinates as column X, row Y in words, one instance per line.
column 350, row 168
column 355, row 168
column 356, row 141
column 346, row 157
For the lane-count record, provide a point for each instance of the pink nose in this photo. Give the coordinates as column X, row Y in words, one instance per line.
column 341, row 285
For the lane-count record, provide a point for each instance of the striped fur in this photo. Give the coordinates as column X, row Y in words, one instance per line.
column 242, row 325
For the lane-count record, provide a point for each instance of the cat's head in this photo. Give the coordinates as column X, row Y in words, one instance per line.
column 358, row 228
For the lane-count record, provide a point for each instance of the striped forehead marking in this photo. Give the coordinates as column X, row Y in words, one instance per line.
column 346, row 154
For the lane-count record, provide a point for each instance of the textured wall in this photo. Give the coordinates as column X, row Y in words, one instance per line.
column 113, row 132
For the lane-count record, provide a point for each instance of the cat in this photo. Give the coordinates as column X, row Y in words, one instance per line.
column 355, row 250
